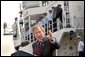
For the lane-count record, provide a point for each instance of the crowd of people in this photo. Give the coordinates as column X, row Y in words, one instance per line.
column 49, row 20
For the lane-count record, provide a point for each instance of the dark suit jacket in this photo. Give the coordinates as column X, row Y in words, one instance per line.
column 57, row 12
column 47, row 47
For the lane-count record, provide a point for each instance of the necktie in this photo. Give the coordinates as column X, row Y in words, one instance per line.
column 38, row 49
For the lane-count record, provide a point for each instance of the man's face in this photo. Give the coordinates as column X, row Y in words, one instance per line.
column 39, row 33
column 77, row 40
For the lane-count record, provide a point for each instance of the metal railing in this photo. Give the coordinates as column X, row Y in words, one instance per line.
column 47, row 26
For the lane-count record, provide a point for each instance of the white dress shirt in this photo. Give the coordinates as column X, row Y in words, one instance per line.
column 80, row 46
column 49, row 16
column 45, row 20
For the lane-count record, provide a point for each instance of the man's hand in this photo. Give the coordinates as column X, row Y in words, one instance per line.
column 50, row 35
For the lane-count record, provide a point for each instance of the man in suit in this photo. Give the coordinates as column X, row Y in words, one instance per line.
column 54, row 19
column 57, row 13
column 43, row 46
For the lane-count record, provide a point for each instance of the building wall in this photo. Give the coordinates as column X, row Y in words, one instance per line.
column 30, row 4
column 76, row 8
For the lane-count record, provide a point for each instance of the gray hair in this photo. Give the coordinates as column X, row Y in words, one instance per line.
column 79, row 37
column 36, row 26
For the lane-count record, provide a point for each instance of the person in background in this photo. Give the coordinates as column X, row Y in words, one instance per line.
column 59, row 12
column 54, row 19
column 45, row 20
column 21, row 23
column 50, row 20
column 40, row 21
column 80, row 46
column 15, row 34
column 21, row 20
column 59, row 15
column 5, row 26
